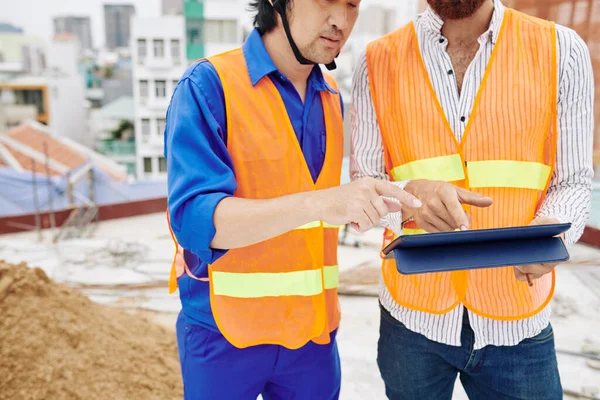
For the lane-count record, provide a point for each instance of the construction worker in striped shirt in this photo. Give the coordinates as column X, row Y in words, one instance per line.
column 254, row 145
column 503, row 146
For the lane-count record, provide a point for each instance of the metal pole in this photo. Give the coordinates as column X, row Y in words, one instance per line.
column 70, row 191
column 50, row 196
column 35, row 201
column 92, row 193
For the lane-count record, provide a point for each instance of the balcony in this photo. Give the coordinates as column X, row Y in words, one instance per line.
column 116, row 148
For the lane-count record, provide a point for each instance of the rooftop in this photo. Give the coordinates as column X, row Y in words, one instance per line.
column 22, row 148
column 121, row 109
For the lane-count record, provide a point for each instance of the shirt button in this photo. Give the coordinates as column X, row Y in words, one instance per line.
column 450, row 72
column 442, row 40
column 463, row 119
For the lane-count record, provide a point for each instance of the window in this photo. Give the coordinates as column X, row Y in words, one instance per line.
column 159, row 48
column 161, row 124
column 33, row 97
column 148, row 165
column 144, row 89
column 220, row 31
column 161, row 88
column 162, row 164
column 145, row 129
column 175, row 51
column 142, row 48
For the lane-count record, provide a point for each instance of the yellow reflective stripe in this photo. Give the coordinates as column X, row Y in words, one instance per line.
column 507, row 173
column 254, row 285
column 332, row 276
column 444, row 168
column 315, row 224
column 413, row 231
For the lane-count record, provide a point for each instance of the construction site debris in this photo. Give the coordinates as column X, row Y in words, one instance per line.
column 57, row 344
column 592, row 346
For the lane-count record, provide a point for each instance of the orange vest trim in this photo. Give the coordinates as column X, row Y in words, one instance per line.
column 507, row 153
column 283, row 290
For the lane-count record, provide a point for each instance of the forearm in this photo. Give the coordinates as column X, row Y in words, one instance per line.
column 569, row 196
column 242, row 222
column 568, row 204
column 367, row 154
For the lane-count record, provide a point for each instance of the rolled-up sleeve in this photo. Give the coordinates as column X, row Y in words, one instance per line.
column 200, row 171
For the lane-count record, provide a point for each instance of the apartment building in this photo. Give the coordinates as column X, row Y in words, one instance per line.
column 117, row 24
column 162, row 49
column 159, row 60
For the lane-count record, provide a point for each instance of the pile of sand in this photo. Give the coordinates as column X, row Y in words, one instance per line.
column 57, row 344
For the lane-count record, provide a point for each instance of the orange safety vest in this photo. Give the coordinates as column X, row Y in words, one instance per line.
column 283, row 290
column 507, row 153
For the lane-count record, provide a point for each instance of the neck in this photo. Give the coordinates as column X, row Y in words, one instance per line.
column 281, row 53
column 468, row 30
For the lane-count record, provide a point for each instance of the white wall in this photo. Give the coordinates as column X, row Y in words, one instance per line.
column 151, row 69
column 64, row 55
column 67, row 109
column 66, row 91
column 224, row 10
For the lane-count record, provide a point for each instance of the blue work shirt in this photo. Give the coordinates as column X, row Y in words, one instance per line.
column 200, row 170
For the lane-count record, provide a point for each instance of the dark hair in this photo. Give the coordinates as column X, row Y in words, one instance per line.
column 265, row 19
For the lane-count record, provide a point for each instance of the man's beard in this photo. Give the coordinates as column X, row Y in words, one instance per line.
column 455, row 9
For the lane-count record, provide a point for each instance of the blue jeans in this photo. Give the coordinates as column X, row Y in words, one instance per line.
column 414, row 367
column 213, row 369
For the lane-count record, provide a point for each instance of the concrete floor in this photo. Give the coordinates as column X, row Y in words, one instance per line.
column 96, row 260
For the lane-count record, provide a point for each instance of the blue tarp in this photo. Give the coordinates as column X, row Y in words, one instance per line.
column 17, row 196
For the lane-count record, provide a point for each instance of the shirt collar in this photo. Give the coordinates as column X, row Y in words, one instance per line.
column 434, row 23
column 260, row 64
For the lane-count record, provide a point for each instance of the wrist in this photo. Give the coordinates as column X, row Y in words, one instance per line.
column 311, row 206
column 411, row 187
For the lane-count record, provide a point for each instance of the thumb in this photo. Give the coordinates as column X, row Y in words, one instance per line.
column 475, row 199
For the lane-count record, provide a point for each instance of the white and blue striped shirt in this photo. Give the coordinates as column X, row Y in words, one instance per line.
column 568, row 198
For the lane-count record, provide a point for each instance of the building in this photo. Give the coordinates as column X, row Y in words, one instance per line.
column 162, row 50
column 57, row 92
column 117, row 24
column 112, row 127
column 158, row 63
column 172, row 7
column 24, row 92
column 8, row 28
column 79, row 27
column 12, row 115
column 21, row 53
column 67, row 90
column 211, row 27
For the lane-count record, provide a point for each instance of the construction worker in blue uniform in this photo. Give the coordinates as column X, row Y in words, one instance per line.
column 254, row 146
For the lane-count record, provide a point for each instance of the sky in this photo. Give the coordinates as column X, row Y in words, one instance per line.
column 35, row 16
